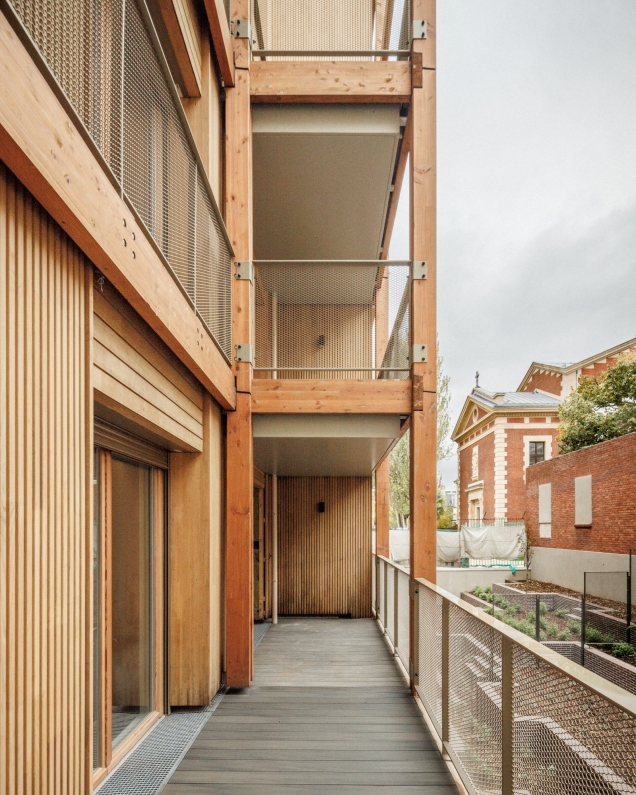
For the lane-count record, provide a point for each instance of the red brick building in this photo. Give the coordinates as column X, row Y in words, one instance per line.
column 500, row 434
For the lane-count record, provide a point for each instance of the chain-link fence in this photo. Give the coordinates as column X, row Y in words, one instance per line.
column 321, row 319
column 326, row 29
column 105, row 57
column 513, row 716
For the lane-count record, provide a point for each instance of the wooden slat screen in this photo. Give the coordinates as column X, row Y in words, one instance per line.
column 324, row 559
column 44, row 435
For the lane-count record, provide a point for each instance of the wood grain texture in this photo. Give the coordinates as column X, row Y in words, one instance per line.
column 330, row 81
column 278, row 396
column 46, row 152
column 324, row 559
column 182, row 26
column 195, row 608
column 239, row 619
column 135, row 374
column 221, row 39
column 329, row 712
column 44, row 457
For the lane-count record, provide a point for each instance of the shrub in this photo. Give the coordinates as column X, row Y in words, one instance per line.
column 561, row 613
column 513, row 609
column 543, row 608
column 551, row 630
column 623, row 650
column 574, row 626
column 564, row 635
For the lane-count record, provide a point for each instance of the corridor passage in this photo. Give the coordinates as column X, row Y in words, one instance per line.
column 328, row 712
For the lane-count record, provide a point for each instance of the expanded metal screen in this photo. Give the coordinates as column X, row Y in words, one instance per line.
column 285, row 29
column 321, row 319
column 390, row 604
column 403, row 617
column 106, row 59
column 513, row 716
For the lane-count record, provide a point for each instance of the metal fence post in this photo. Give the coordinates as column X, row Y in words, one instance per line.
column 445, row 674
column 377, row 586
column 414, row 652
column 537, row 618
column 507, row 717
column 396, row 608
column 583, row 600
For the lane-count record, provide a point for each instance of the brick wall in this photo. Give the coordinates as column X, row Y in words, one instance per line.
column 546, row 382
column 486, row 473
column 612, row 466
column 515, row 448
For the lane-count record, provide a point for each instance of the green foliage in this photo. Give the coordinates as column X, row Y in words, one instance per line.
column 574, row 626
column 623, row 650
column 564, row 635
column 543, row 608
column 513, row 609
column 485, row 594
column 600, row 408
column 595, row 636
column 552, row 630
column 561, row 613
column 444, row 510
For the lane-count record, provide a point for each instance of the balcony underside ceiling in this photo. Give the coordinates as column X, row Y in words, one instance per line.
column 324, row 445
column 322, row 180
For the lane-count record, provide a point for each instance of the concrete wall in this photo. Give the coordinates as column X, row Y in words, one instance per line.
column 565, row 567
column 456, row 579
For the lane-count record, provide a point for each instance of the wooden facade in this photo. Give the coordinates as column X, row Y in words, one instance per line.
column 324, row 558
column 44, row 465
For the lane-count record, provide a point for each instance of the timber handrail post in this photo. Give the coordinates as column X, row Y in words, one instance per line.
column 414, row 653
column 507, row 717
column 445, row 675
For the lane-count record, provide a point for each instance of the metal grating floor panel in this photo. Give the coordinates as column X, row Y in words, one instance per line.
column 260, row 629
column 150, row 764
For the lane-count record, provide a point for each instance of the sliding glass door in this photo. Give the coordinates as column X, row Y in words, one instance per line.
column 128, row 607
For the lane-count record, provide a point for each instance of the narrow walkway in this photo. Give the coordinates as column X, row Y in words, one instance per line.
column 328, row 712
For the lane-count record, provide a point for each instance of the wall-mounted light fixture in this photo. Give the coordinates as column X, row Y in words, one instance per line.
column 321, row 507
column 321, row 341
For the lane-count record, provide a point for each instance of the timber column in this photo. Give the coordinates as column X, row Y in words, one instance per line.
column 382, row 470
column 239, row 623
column 423, row 209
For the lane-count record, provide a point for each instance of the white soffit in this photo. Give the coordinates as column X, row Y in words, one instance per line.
column 322, row 445
column 322, row 177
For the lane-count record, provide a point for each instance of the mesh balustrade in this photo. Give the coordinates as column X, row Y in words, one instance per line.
column 403, row 617
column 320, row 319
column 390, row 604
column 513, row 716
column 326, row 29
column 105, row 57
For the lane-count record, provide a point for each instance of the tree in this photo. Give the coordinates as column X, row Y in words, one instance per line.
column 600, row 408
column 399, row 459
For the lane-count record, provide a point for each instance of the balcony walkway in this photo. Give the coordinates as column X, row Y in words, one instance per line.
column 328, row 712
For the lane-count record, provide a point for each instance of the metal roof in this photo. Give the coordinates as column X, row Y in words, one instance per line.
column 516, row 399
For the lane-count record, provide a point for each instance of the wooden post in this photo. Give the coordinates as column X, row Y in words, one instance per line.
column 382, row 470
column 423, row 431
column 240, row 470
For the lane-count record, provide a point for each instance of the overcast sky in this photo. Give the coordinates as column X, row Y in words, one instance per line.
column 536, row 186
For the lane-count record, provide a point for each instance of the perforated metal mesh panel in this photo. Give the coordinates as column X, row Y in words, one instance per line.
column 318, row 320
column 313, row 24
column 112, row 74
column 397, row 352
column 381, row 601
column 474, row 703
column 568, row 739
column 403, row 617
column 390, row 604
column 430, row 655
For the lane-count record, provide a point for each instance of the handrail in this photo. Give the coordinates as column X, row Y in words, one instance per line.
column 593, row 682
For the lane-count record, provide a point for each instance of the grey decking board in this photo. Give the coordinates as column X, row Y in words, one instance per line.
column 329, row 712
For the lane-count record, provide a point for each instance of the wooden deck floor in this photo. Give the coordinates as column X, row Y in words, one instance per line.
column 328, row 712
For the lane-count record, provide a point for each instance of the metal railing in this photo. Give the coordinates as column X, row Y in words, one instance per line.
column 391, row 605
column 330, row 29
column 105, row 63
column 318, row 318
column 512, row 716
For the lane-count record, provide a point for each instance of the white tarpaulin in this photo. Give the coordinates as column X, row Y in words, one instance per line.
column 490, row 541
column 449, row 546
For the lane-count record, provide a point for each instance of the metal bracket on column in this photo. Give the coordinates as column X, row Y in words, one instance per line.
column 419, row 270
column 244, row 271
column 418, row 354
column 419, row 29
column 242, row 29
column 244, row 353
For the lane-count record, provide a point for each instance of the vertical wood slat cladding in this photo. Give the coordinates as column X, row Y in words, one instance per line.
column 324, row 559
column 43, row 501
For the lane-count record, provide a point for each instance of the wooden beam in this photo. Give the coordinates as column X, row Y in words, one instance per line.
column 184, row 37
column 42, row 147
column 382, row 523
column 330, row 397
column 239, row 640
column 221, row 38
column 330, row 81
column 423, row 433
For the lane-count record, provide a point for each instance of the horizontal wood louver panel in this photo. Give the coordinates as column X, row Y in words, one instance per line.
column 43, row 501
column 118, row 441
column 324, row 559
